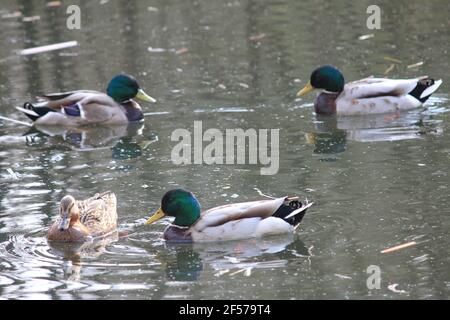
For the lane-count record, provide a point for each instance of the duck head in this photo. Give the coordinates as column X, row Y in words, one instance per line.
column 68, row 212
column 327, row 78
column 123, row 88
column 182, row 205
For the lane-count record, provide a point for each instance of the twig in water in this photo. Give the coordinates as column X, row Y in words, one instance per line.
column 16, row 121
column 402, row 246
column 262, row 194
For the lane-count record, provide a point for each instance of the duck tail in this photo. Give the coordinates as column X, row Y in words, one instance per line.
column 292, row 211
column 425, row 88
column 33, row 112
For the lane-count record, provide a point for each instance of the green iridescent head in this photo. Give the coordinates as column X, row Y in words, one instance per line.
column 124, row 87
column 327, row 78
column 182, row 205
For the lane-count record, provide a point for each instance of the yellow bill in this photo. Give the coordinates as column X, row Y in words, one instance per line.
column 155, row 217
column 308, row 88
column 141, row 95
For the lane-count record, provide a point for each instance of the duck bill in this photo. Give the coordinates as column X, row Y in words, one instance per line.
column 64, row 223
column 141, row 95
column 155, row 217
column 307, row 89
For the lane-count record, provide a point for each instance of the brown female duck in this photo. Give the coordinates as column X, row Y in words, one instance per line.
column 80, row 220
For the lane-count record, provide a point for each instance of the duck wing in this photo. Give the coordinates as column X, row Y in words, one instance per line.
column 64, row 95
column 287, row 208
column 380, row 95
column 96, row 108
column 378, row 87
column 99, row 213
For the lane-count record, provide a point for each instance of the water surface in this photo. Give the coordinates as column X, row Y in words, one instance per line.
column 377, row 181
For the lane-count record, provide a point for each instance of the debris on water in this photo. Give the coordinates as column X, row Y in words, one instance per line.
column 145, row 186
column 68, row 54
column 310, row 138
column 159, row 113
column 16, row 121
column 57, row 158
column 391, row 67
column 237, row 272
column 104, row 1
column 244, row 85
column 415, row 65
column 341, row 276
column 47, row 48
column 156, row 50
column 393, row 288
column 399, row 247
column 15, row 14
column 366, row 36
column 54, row 4
column 421, row 258
column 262, row 194
column 247, row 272
column 421, row 164
column 234, row 196
column 181, row 51
column 221, row 272
column 153, row 9
column 13, row 174
column 232, row 259
column 392, row 59
column 31, row 19
column 257, row 37
column 222, row 86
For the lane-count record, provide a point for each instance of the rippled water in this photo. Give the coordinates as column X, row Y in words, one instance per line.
column 377, row 181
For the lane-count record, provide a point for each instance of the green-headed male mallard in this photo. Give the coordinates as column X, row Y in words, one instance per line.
column 229, row 222
column 366, row 96
column 85, row 107
column 79, row 221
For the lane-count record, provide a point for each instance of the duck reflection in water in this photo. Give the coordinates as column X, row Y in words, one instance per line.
column 332, row 133
column 125, row 141
column 187, row 261
column 75, row 255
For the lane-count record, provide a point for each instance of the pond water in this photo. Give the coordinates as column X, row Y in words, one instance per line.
column 377, row 181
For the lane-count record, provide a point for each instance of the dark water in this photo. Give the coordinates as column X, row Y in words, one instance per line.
column 377, row 181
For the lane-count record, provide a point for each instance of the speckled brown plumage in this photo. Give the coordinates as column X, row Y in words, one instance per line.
column 92, row 217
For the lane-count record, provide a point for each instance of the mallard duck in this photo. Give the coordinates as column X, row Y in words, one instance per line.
column 229, row 222
column 366, row 96
column 85, row 107
column 79, row 221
